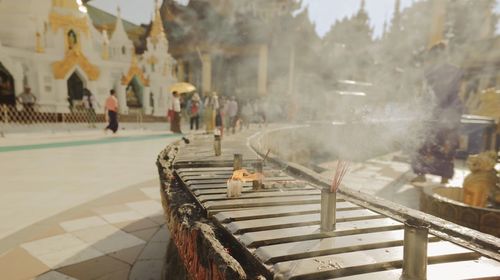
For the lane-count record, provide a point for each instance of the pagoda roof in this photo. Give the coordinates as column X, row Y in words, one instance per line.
column 102, row 19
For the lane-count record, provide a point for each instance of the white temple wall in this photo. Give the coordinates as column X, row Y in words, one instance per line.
column 146, row 95
column 18, row 27
column 122, row 98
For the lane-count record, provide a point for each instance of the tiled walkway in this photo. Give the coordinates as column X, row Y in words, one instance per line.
column 87, row 205
column 82, row 209
column 389, row 177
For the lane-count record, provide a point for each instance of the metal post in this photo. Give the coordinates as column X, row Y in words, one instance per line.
column 237, row 162
column 415, row 250
column 328, row 214
column 217, row 143
column 257, row 184
column 5, row 112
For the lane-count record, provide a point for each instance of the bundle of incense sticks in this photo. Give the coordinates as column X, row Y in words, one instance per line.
column 267, row 154
column 342, row 168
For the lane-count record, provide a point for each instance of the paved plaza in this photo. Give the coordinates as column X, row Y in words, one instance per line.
column 82, row 205
column 85, row 205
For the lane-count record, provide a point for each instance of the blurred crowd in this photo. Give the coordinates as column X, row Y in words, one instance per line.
column 227, row 114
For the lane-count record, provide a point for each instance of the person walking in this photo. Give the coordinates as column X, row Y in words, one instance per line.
column 441, row 91
column 28, row 100
column 175, row 113
column 111, row 112
column 89, row 103
column 211, row 107
column 247, row 114
column 194, row 110
column 232, row 111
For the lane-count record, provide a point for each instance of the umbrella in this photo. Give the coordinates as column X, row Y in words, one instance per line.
column 182, row 87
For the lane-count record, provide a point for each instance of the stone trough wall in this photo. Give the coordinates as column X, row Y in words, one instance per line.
column 436, row 201
column 202, row 254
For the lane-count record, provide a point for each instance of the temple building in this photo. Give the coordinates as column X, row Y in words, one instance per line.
column 476, row 51
column 212, row 40
column 53, row 47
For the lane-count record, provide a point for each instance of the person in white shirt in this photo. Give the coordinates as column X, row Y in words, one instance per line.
column 175, row 113
column 232, row 111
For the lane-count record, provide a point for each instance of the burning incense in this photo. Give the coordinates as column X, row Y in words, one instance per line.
column 342, row 168
column 267, row 154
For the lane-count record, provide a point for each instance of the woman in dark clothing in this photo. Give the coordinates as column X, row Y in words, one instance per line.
column 442, row 82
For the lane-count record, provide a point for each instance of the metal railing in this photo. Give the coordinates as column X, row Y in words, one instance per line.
column 22, row 118
column 39, row 114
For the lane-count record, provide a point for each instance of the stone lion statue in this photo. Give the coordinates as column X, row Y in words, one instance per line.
column 482, row 179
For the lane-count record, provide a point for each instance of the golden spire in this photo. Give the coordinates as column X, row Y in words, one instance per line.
column 363, row 5
column 69, row 4
column 157, row 30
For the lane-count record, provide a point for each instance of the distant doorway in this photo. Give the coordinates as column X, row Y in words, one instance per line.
column 75, row 90
column 134, row 94
column 7, row 91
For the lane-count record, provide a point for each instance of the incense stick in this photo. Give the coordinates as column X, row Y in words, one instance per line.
column 265, row 157
column 340, row 172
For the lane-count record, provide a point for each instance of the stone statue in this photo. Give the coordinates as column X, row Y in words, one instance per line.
column 482, row 179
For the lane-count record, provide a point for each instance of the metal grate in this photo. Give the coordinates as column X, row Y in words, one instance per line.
column 278, row 226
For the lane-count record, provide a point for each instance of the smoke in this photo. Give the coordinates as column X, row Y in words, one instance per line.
column 375, row 83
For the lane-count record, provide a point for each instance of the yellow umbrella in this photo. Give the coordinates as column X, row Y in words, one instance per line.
column 182, row 87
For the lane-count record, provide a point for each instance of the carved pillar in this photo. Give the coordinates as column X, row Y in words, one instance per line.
column 206, row 60
column 121, row 95
column 146, row 104
column 438, row 22
column 262, row 75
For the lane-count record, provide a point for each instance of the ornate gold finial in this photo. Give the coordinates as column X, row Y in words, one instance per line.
column 157, row 30
column 38, row 43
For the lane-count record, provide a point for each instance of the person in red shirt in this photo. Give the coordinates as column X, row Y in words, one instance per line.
column 111, row 111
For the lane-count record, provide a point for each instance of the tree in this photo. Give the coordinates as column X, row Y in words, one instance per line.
column 349, row 47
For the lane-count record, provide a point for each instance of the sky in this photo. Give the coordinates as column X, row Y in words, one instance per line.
column 323, row 12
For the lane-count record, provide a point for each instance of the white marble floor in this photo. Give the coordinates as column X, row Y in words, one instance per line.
column 42, row 181
column 82, row 205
